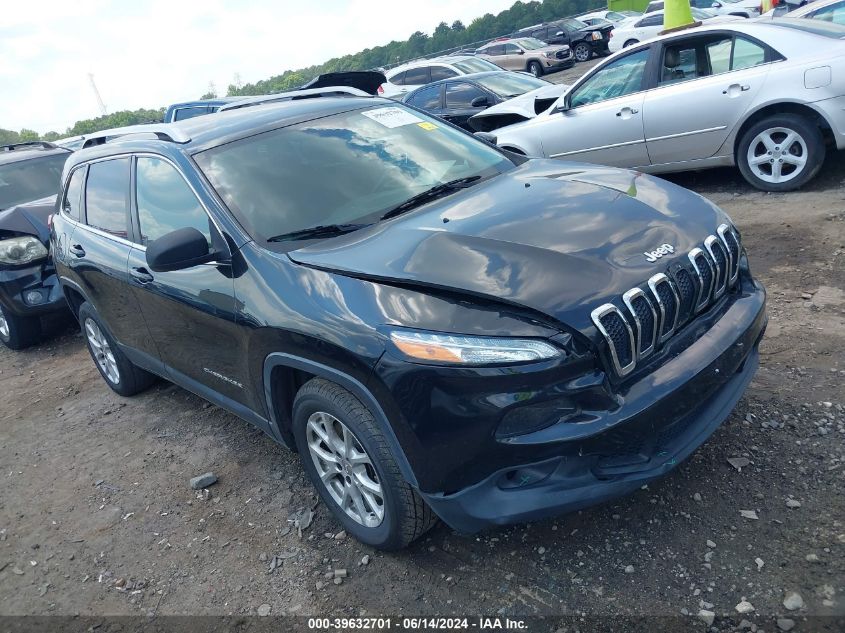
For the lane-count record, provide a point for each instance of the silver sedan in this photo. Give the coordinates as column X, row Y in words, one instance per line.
column 765, row 95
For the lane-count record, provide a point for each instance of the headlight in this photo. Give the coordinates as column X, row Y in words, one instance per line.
column 549, row 55
column 596, row 35
column 456, row 349
column 21, row 250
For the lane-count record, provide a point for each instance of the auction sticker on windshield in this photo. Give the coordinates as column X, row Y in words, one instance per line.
column 392, row 116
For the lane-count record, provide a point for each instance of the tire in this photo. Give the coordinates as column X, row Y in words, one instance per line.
column 630, row 43
column 583, row 51
column 804, row 156
column 329, row 418
column 18, row 332
column 535, row 68
column 124, row 378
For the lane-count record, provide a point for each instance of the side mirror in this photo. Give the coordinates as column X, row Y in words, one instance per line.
column 521, row 52
column 565, row 105
column 180, row 249
column 559, row 34
column 480, row 102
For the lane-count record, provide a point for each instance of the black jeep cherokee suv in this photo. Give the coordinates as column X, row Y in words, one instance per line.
column 30, row 174
column 437, row 327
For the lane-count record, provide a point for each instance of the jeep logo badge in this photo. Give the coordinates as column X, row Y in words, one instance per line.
column 657, row 253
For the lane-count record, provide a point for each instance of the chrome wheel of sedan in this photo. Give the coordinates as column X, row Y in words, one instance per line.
column 101, row 351
column 345, row 469
column 777, row 155
column 4, row 325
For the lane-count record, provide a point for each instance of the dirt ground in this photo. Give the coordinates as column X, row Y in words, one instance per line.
column 97, row 517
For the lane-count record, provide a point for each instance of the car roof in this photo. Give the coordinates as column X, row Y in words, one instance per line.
column 469, row 77
column 201, row 133
column 444, row 59
column 17, row 152
column 810, row 7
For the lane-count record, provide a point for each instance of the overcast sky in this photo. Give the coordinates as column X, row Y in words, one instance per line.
column 150, row 53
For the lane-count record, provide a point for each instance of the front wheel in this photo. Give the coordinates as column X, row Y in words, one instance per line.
column 348, row 460
column 583, row 51
column 18, row 332
column 630, row 43
column 780, row 153
column 535, row 69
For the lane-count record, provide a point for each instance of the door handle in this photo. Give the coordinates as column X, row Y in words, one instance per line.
column 736, row 87
column 141, row 275
column 77, row 250
column 627, row 110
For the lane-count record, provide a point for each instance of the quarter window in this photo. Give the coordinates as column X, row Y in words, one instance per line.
column 73, row 195
column 106, row 196
column 398, row 79
column 619, row 78
column 165, row 201
column 747, row 54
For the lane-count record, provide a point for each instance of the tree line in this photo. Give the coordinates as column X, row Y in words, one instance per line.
column 419, row 44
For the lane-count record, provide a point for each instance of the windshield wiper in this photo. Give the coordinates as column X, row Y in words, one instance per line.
column 435, row 192
column 327, row 230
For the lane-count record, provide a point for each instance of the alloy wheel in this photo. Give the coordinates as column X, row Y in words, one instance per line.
column 582, row 52
column 4, row 325
column 102, row 352
column 777, row 155
column 345, row 469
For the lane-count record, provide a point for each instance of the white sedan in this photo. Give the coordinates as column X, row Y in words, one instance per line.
column 647, row 26
column 765, row 95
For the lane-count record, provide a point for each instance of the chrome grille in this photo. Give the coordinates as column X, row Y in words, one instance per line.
column 721, row 269
column 731, row 242
column 667, row 305
column 654, row 314
column 620, row 339
column 645, row 320
column 686, row 293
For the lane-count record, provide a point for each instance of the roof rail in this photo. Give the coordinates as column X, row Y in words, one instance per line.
column 162, row 131
column 11, row 147
column 295, row 95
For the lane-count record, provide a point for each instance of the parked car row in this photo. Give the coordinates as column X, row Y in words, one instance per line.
column 395, row 321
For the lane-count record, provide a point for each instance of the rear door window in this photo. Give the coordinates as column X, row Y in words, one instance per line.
column 417, row 76
column 459, row 95
column 107, row 196
column 426, row 98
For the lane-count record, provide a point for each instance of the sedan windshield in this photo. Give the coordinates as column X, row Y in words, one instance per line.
column 531, row 43
column 343, row 170
column 28, row 180
column 510, row 84
column 468, row 66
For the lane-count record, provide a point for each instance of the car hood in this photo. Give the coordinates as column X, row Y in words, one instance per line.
column 556, row 238
column 524, row 105
column 366, row 80
column 29, row 218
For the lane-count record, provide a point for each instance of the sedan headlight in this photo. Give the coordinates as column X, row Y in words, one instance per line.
column 456, row 349
column 596, row 35
column 21, row 250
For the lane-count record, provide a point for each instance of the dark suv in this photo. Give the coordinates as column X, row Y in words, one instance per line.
column 439, row 328
column 30, row 174
column 584, row 40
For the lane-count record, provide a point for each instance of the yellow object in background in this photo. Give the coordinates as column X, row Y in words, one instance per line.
column 767, row 6
column 677, row 15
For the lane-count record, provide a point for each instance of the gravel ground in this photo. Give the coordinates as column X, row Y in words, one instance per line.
column 97, row 515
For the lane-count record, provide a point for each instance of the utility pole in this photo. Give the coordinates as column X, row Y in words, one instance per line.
column 102, row 105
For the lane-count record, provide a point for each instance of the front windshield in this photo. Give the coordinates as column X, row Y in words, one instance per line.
column 702, row 14
column 510, row 84
column 531, row 43
column 28, row 180
column 346, row 168
column 572, row 23
column 468, row 66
